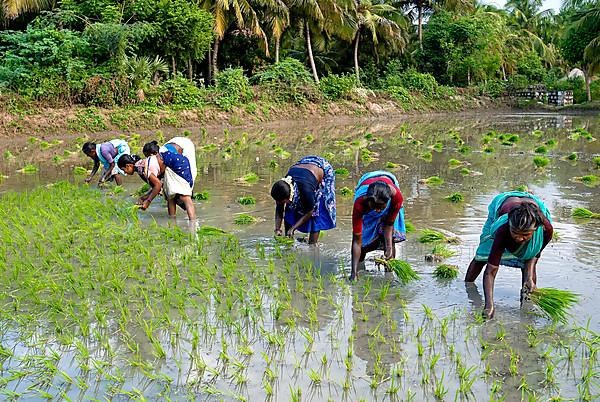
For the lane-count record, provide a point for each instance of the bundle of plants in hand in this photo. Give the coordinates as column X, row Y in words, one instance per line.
column 555, row 303
column 402, row 269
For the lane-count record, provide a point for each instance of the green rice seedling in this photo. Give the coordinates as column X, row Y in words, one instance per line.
column 589, row 180
column 446, row 271
column 247, row 200
column 144, row 188
column 28, row 169
column 555, row 303
column 437, row 147
column 391, row 165
column 402, row 269
column 410, row 227
column 281, row 153
column 329, row 155
column 596, row 161
column 342, row 172
column 367, row 156
column 210, row 231
column 58, row 160
column 8, row 155
column 465, row 171
column 440, row 390
column 273, row 164
column 488, row 149
column 314, row 376
column 455, row 163
column 583, row 213
column 284, row 240
column 551, row 143
column 201, row 195
column 464, row 149
column 209, row 148
column 455, row 198
column 295, row 394
column 537, row 133
column 541, row 162
column 249, row 178
column 432, row 181
column 427, row 156
column 513, row 367
column 541, row 150
column 309, row 138
column 433, row 236
column 346, row 192
column 118, row 190
column 580, row 132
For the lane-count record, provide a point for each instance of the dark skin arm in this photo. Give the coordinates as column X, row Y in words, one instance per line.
column 94, row 170
column 279, row 210
column 107, row 174
column 156, row 187
column 300, row 222
column 388, row 231
column 356, row 252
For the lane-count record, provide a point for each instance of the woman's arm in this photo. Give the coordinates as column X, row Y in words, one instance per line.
column 94, row 170
column 156, row 187
column 489, row 277
column 528, row 281
column 388, row 231
column 356, row 252
column 300, row 222
column 107, row 173
column 279, row 210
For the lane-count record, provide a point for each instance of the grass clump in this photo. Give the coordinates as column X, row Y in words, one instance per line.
column 247, row 200
column 455, row 163
column 426, row 156
column 244, row 219
column 201, row 196
column 433, row 181
column 402, row 269
column 555, row 303
column 249, row 178
column 541, row 162
column 446, row 271
column 79, row 171
column 455, row 198
column 345, row 191
column 584, row 213
column 596, row 161
column 589, row 180
column 571, row 157
column 542, row 149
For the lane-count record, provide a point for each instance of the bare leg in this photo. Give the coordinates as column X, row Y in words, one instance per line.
column 489, row 276
column 368, row 249
column 118, row 179
column 313, row 237
column 189, row 206
column 171, row 207
column 474, row 270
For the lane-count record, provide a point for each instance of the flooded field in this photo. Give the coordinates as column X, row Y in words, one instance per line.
column 100, row 301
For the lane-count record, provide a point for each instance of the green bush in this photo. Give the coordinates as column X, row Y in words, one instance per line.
column 415, row 81
column 233, row 88
column 492, row 88
column 516, row 82
column 180, row 91
column 399, row 94
column 335, row 87
column 287, row 81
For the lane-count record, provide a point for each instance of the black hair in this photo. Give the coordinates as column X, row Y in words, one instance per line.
column 127, row 160
column 88, row 147
column 280, row 190
column 151, row 148
column 379, row 192
column 525, row 217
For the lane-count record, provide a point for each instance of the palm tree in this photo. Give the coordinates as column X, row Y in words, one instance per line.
column 416, row 10
column 278, row 20
column 372, row 18
column 11, row 9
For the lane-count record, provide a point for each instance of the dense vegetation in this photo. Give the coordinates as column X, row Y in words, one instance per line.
column 188, row 54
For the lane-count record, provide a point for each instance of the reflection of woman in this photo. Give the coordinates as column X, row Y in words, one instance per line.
column 517, row 229
column 170, row 168
column 306, row 198
column 377, row 217
column 108, row 154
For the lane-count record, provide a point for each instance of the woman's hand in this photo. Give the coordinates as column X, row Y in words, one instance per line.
column 145, row 205
column 387, row 254
column 278, row 232
column 290, row 232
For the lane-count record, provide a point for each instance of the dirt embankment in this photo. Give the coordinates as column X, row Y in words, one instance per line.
column 63, row 122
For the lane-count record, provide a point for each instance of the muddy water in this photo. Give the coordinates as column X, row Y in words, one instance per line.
column 570, row 262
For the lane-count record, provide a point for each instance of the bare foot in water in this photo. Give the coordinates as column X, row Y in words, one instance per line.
column 488, row 313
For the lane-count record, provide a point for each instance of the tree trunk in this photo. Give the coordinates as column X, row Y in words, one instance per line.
column 209, row 73
column 215, row 69
column 588, row 79
column 503, row 72
column 174, row 66
column 420, row 27
column 190, row 69
column 277, row 41
column 356, row 40
column 469, row 76
column 310, row 54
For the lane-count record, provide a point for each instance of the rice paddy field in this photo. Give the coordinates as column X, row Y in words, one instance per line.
column 101, row 301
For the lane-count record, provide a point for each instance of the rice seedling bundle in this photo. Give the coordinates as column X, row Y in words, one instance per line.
column 248, row 178
column 273, row 164
column 596, row 161
column 541, row 149
column 345, row 191
column 589, row 180
column 489, row 149
column 244, row 219
column 465, row 171
column 455, row 198
column 583, row 213
column 442, row 252
column 541, row 161
column 309, row 139
column 57, row 159
column 550, row 143
column 446, row 271
column 144, row 188
column 342, row 172
column 247, row 200
column 433, row 181
column 572, row 157
column 201, row 196
column 464, row 149
column 402, row 269
column 391, row 165
column 207, row 230
column 555, row 303
column 329, row 155
column 29, row 168
column 284, row 240
column 410, row 228
column 209, row 148
column 522, row 187
column 455, row 163
column 79, row 170
column 431, row 236
column 426, row 156
column 437, row 147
